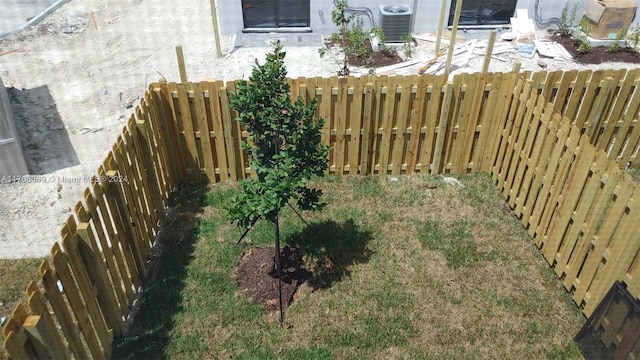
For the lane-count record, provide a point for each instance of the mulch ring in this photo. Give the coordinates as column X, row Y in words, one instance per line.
column 257, row 277
column 597, row 54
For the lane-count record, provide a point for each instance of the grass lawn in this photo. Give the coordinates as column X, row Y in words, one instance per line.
column 419, row 270
column 405, row 268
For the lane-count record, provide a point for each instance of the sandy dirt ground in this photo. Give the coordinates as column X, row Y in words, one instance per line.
column 73, row 83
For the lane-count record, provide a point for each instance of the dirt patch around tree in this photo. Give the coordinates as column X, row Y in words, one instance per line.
column 597, row 54
column 257, row 277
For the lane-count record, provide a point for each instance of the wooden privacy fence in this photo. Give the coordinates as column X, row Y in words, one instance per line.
column 379, row 125
column 86, row 288
column 576, row 203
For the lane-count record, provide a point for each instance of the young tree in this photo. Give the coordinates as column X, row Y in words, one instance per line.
column 284, row 146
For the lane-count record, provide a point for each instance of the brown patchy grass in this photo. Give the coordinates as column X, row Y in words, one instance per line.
column 423, row 271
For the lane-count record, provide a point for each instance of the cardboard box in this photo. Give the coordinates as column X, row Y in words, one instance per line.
column 607, row 18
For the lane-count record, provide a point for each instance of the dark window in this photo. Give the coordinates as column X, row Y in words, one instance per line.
column 275, row 13
column 483, row 12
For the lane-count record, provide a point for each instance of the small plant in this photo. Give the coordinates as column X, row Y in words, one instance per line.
column 567, row 19
column 583, row 37
column 353, row 39
column 386, row 49
column 407, row 46
column 615, row 47
column 633, row 37
column 340, row 19
column 356, row 40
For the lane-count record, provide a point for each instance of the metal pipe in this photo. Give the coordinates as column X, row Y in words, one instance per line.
column 361, row 10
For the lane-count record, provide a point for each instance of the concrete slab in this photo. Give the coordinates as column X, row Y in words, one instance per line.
column 16, row 15
column 287, row 39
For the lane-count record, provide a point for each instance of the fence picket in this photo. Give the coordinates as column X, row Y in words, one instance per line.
column 570, row 242
column 437, row 165
column 60, row 309
column 618, row 256
column 403, row 111
column 387, row 120
column 530, row 154
column 341, row 126
column 430, row 154
column 415, row 123
column 355, row 123
column 45, row 328
column 539, row 167
column 569, row 192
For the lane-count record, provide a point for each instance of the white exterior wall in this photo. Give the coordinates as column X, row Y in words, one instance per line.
column 426, row 17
